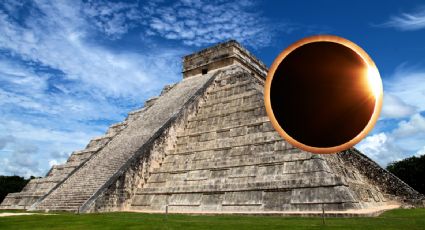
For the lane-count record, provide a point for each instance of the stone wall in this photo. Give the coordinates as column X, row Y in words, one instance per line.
column 389, row 184
column 222, row 55
column 228, row 158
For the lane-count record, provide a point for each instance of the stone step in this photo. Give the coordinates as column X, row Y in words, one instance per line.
column 63, row 208
column 84, row 151
column 232, row 178
column 227, row 112
column 231, row 91
column 237, row 117
column 240, row 102
column 231, row 78
column 76, row 203
column 116, row 128
column 64, row 201
column 133, row 115
column 241, row 152
column 100, row 141
column 239, row 141
column 225, row 126
column 237, row 97
column 51, row 179
column 119, row 124
column 78, row 197
column 217, row 135
column 241, row 173
column 82, row 188
column 269, row 185
column 74, row 194
column 82, row 155
column 332, row 198
column 267, row 158
column 237, row 87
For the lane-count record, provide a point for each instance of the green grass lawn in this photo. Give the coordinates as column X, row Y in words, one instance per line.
column 395, row 219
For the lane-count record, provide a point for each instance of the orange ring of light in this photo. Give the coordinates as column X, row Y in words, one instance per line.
column 286, row 52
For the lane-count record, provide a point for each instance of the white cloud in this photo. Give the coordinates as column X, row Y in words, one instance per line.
column 5, row 140
column 56, row 39
column 30, row 132
column 373, row 144
column 29, row 146
column 194, row 22
column 23, row 162
column 113, row 18
column 402, row 91
column 205, row 22
column 59, row 88
column 394, row 107
column 54, row 162
column 407, row 139
column 408, row 84
column 408, row 21
column 415, row 125
column 380, row 148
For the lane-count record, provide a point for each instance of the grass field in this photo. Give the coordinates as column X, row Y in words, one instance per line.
column 395, row 219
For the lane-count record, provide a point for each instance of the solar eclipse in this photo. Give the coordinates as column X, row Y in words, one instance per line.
column 323, row 94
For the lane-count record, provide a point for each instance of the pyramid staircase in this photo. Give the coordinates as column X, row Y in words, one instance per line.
column 79, row 190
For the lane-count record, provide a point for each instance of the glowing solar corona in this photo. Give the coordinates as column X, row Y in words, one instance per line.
column 323, row 94
column 374, row 80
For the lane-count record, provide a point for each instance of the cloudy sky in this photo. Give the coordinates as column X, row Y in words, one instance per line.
column 69, row 69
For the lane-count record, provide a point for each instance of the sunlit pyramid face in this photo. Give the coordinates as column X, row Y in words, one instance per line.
column 323, row 94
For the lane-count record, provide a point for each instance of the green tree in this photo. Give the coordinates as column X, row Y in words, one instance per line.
column 411, row 170
column 10, row 184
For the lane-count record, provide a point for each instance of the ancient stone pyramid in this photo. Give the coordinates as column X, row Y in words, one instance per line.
column 205, row 145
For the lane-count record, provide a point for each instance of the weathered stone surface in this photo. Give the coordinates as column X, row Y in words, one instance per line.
column 229, row 157
column 220, row 56
column 206, row 145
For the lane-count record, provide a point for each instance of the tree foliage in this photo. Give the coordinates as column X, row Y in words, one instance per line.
column 411, row 170
column 10, row 184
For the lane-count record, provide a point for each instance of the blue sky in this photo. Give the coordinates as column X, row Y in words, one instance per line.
column 69, row 69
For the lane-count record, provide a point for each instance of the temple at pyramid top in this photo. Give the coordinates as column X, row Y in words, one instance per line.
column 222, row 55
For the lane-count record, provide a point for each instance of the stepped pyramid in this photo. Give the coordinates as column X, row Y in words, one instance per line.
column 206, row 145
